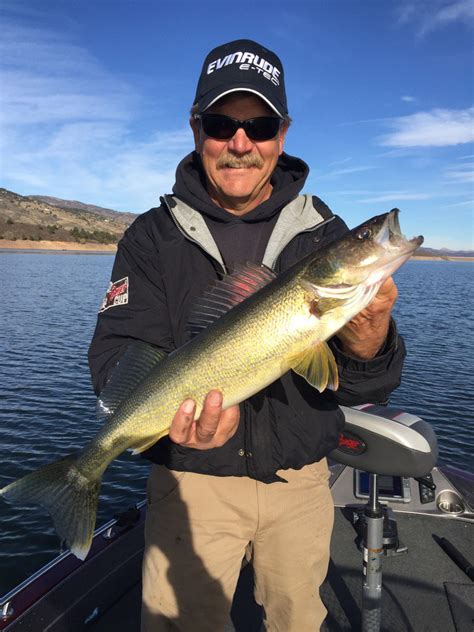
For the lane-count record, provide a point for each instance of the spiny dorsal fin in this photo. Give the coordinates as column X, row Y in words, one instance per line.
column 318, row 366
column 133, row 366
column 245, row 280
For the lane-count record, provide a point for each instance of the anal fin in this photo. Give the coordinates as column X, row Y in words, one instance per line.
column 318, row 366
column 147, row 443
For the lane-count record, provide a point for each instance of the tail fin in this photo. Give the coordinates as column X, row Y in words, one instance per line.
column 69, row 496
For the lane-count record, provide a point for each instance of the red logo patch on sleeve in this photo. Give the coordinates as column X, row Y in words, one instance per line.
column 117, row 294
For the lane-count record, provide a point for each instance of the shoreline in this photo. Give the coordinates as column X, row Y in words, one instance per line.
column 440, row 258
column 89, row 248
column 56, row 247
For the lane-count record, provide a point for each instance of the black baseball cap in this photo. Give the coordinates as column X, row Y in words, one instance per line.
column 242, row 65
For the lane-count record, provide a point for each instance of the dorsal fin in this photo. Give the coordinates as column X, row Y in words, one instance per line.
column 245, row 280
column 134, row 365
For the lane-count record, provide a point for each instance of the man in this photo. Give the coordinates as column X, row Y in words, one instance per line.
column 253, row 474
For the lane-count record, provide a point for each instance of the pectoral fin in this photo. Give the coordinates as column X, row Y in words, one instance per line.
column 318, row 366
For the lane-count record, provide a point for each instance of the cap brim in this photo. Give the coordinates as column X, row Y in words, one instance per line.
column 241, row 89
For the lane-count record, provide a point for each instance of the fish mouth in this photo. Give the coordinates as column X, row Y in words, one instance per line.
column 391, row 237
column 397, row 248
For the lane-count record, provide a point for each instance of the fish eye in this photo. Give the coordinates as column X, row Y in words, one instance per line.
column 364, row 233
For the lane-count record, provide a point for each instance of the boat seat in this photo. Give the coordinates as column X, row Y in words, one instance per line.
column 386, row 441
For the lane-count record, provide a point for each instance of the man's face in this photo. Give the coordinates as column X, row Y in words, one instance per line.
column 238, row 170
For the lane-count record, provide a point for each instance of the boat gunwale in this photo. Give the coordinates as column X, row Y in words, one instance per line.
column 27, row 597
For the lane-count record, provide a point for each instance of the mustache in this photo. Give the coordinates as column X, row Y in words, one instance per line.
column 239, row 162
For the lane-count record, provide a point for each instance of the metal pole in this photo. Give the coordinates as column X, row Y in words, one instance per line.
column 373, row 550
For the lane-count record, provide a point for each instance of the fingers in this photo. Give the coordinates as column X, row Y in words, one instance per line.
column 365, row 334
column 206, row 426
column 181, row 428
column 228, row 424
column 213, row 428
column 384, row 300
column 387, row 286
column 388, row 290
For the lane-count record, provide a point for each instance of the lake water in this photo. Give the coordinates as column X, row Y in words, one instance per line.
column 47, row 407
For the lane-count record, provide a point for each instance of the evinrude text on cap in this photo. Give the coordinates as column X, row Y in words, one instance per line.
column 242, row 65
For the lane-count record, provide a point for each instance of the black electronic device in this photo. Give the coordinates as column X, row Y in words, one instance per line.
column 390, row 488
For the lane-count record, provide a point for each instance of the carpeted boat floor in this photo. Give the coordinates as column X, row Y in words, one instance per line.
column 423, row 589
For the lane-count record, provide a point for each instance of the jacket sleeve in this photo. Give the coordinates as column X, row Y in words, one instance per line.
column 142, row 314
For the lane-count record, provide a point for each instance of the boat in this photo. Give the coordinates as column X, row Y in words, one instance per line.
column 402, row 540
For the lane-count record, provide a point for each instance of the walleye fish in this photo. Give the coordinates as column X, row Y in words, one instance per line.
column 252, row 328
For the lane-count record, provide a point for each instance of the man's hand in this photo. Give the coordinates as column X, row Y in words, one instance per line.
column 212, row 429
column 365, row 334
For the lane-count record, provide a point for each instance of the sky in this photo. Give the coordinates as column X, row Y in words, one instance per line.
column 95, row 100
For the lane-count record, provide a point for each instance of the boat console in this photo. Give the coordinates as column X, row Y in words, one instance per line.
column 382, row 449
column 401, row 448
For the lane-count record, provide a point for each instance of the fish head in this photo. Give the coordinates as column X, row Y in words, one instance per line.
column 364, row 258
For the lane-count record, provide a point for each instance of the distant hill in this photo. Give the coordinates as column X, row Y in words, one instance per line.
column 74, row 205
column 39, row 218
column 443, row 252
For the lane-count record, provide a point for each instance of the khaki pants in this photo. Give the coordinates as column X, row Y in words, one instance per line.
column 198, row 529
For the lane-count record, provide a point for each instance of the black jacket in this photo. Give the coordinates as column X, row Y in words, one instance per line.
column 288, row 424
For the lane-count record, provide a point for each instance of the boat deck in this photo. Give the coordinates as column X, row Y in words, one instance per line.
column 421, row 588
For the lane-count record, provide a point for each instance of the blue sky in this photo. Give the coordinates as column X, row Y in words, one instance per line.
column 96, row 95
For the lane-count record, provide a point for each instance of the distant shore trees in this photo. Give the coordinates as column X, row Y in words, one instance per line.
column 100, row 236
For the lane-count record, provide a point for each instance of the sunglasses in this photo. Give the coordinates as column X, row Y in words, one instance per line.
column 224, row 127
